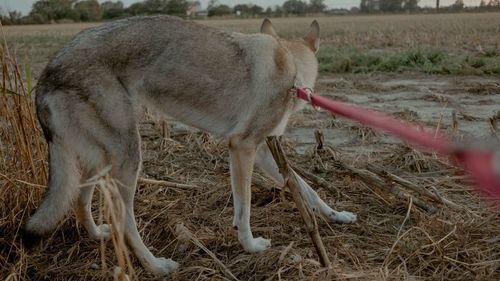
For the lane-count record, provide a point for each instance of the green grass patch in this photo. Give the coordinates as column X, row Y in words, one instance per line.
column 354, row 60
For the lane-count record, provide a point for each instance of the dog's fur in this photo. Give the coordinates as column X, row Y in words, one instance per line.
column 233, row 85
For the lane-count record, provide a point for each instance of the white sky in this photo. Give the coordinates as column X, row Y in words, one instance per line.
column 24, row 6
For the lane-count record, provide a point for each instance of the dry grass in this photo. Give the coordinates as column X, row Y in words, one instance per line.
column 22, row 155
column 444, row 31
column 393, row 240
column 449, row 33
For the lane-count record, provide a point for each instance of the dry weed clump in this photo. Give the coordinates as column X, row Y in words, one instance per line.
column 113, row 211
column 23, row 172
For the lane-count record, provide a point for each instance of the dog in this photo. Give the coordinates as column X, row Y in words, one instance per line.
column 236, row 86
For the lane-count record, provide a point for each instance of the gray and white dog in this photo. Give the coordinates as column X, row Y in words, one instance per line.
column 233, row 85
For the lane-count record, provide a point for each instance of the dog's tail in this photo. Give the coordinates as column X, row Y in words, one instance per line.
column 64, row 178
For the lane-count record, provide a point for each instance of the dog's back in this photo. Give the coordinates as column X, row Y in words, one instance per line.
column 131, row 46
column 177, row 65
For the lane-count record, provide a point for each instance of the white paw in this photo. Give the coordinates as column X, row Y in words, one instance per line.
column 343, row 217
column 162, row 266
column 256, row 245
column 118, row 274
column 101, row 232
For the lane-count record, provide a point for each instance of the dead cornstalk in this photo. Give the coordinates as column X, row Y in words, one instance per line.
column 392, row 178
column 167, row 183
column 165, row 130
column 305, row 211
column 183, row 233
column 372, row 179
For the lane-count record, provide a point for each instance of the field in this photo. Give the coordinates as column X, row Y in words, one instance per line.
column 441, row 71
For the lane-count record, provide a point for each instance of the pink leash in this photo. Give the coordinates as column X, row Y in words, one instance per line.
column 483, row 163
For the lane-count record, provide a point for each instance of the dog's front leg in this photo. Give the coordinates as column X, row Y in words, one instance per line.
column 242, row 158
column 266, row 163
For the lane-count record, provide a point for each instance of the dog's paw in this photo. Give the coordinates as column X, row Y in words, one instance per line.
column 162, row 266
column 30, row 239
column 343, row 217
column 256, row 245
column 101, row 232
column 104, row 231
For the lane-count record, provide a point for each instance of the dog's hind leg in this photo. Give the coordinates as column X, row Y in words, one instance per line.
column 242, row 156
column 126, row 161
column 264, row 160
column 84, row 214
column 63, row 184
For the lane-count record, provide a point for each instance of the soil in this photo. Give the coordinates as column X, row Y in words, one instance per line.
column 427, row 99
column 394, row 238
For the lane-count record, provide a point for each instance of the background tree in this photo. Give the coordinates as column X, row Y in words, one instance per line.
column 241, row 9
column 364, row 7
column 136, row 9
column 53, row 10
column 15, row 17
column 89, row 10
column 368, row 6
column 391, row 5
column 177, row 7
column 214, row 9
column 153, row 7
column 278, row 11
column 410, row 5
column 316, row 6
column 256, row 10
column 269, row 11
column 112, row 10
column 294, row 7
column 10, row 17
column 458, row 5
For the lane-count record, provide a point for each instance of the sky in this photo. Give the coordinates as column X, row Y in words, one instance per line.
column 24, row 6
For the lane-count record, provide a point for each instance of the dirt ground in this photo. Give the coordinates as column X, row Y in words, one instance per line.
column 427, row 99
column 395, row 238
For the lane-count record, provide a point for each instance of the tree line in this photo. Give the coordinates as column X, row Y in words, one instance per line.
column 398, row 6
column 50, row 11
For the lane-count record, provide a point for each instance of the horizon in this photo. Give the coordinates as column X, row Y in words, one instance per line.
column 24, row 6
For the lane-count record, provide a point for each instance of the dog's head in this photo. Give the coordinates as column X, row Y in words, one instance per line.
column 303, row 51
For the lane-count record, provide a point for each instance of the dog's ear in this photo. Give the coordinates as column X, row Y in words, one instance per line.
column 312, row 37
column 267, row 28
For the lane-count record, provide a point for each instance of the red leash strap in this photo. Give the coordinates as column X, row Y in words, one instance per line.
column 482, row 163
